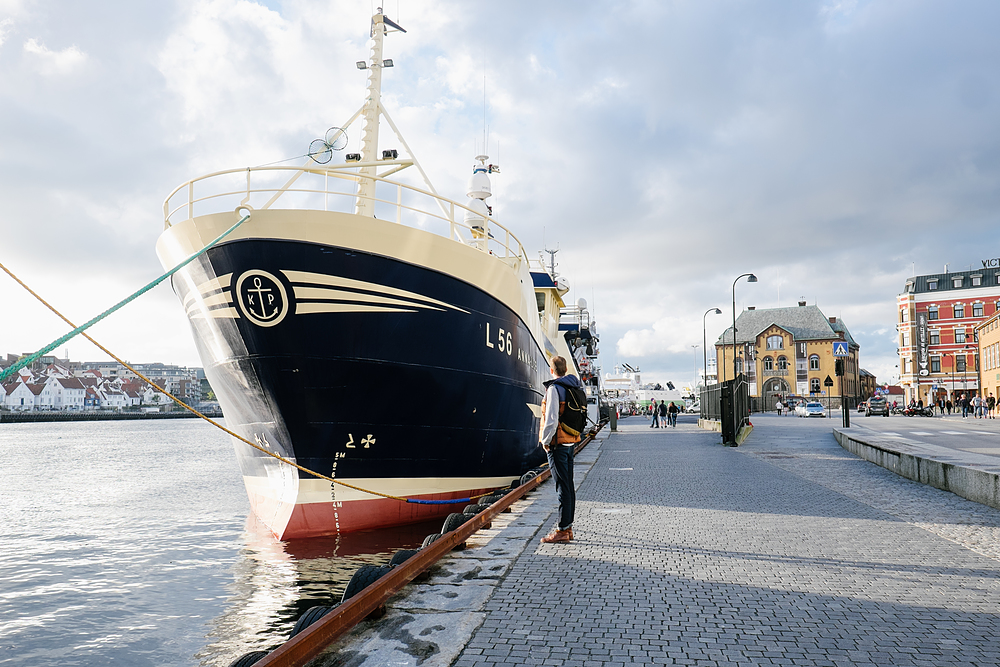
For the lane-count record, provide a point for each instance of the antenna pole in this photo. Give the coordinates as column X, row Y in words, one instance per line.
column 369, row 137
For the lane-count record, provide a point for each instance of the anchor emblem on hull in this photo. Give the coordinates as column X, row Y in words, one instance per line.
column 262, row 298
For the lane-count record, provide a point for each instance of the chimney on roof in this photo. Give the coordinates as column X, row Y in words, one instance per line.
column 833, row 320
column 802, row 303
column 751, row 307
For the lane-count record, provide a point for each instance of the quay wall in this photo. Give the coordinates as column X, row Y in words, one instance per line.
column 28, row 417
column 969, row 482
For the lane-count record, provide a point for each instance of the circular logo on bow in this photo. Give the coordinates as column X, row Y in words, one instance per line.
column 262, row 298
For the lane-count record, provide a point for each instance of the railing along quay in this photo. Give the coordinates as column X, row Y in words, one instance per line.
column 312, row 641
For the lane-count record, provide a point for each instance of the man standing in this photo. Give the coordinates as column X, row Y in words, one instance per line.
column 558, row 444
column 655, row 411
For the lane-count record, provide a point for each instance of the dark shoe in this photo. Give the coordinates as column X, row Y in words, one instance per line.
column 558, row 536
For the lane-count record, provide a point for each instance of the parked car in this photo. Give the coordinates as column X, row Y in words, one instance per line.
column 814, row 409
column 877, row 406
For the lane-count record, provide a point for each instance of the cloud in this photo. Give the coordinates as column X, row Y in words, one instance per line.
column 833, row 147
column 55, row 63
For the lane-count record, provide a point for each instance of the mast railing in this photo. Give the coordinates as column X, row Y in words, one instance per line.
column 318, row 190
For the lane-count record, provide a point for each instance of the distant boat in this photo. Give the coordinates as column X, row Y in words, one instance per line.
column 369, row 330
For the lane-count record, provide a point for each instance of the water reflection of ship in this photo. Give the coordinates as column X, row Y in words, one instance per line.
column 275, row 582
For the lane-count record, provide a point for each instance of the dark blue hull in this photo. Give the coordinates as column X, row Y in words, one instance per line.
column 365, row 367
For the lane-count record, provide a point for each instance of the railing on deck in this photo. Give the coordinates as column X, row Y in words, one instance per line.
column 315, row 188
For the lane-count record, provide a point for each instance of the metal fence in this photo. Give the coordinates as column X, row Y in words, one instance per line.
column 728, row 403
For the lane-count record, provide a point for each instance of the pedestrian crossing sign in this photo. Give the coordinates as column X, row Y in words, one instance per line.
column 840, row 349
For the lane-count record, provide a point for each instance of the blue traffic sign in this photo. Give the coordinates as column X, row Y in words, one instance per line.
column 840, row 349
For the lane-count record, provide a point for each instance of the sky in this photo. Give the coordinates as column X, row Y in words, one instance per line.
column 831, row 147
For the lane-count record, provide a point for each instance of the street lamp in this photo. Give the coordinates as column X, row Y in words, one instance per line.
column 704, row 344
column 751, row 278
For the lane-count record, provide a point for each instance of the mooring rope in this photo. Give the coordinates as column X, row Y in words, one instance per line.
column 31, row 358
column 81, row 330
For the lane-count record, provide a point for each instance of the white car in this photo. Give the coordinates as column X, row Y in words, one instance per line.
column 812, row 409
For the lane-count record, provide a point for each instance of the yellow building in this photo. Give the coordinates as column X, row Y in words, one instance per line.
column 790, row 352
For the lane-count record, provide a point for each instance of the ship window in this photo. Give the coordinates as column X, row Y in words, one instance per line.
column 540, row 300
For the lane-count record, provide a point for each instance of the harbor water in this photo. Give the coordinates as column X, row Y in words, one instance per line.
column 132, row 543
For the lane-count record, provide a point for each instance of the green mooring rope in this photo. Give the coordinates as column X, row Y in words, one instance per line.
column 83, row 327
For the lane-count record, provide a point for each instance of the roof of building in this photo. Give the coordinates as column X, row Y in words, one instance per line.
column 803, row 322
column 920, row 284
column 863, row 373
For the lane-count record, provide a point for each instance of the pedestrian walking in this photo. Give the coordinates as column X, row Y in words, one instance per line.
column 990, row 404
column 558, row 445
column 965, row 405
column 672, row 411
column 778, row 406
column 947, row 404
column 655, row 411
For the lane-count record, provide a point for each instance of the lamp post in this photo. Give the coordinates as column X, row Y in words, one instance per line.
column 704, row 344
column 751, row 278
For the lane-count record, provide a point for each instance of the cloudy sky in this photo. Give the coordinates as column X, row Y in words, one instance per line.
column 832, row 147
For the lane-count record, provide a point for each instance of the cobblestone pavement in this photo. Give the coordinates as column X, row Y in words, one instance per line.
column 786, row 551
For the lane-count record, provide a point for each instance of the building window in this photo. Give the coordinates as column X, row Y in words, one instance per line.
column 768, row 364
column 906, row 339
column 959, row 335
column 960, row 364
column 935, row 337
column 814, row 362
column 977, row 310
column 959, row 310
column 956, row 282
column 932, row 312
column 775, row 343
column 782, row 364
column 904, row 314
column 906, row 366
column 931, row 284
column 814, row 386
column 935, row 364
column 977, row 281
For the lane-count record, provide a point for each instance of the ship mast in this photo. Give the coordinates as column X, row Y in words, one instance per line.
column 370, row 113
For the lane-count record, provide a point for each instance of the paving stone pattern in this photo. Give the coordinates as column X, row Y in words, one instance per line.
column 706, row 555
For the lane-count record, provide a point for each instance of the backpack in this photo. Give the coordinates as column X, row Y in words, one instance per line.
column 574, row 417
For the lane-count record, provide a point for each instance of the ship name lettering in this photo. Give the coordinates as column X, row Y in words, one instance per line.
column 350, row 441
column 489, row 343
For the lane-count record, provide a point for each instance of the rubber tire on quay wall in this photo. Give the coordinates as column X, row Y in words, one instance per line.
column 453, row 521
column 430, row 539
column 362, row 579
column 472, row 509
column 310, row 616
column 402, row 556
column 249, row 659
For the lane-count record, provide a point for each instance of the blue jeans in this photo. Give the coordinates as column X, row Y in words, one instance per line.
column 561, row 464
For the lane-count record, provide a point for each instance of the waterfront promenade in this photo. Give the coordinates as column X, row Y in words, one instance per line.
column 786, row 551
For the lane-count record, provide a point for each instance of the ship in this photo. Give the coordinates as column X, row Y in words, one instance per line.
column 367, row 328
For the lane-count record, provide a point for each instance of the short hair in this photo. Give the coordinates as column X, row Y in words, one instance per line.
column 558, row 364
